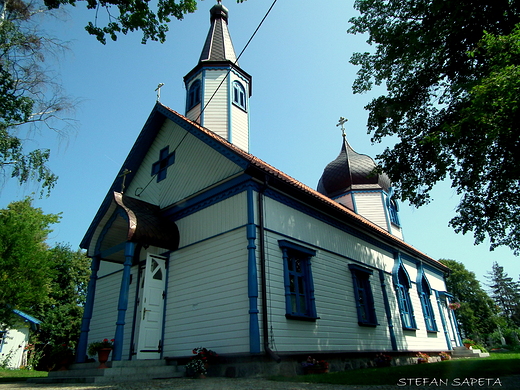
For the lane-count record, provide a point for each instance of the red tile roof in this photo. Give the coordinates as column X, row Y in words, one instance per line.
column 255, row 161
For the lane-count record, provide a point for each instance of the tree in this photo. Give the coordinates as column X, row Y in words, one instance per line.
column 62, row 312
column 452, row 76
column 476, row 315
column 131, row 15
column 24, row 262
column 29, row 93
column 506, row 293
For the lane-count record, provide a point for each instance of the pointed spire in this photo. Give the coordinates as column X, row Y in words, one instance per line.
column 218, row 46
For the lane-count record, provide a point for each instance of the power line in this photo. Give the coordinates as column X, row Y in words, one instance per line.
column 236, row 61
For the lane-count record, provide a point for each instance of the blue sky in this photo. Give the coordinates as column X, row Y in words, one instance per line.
column 302, row 79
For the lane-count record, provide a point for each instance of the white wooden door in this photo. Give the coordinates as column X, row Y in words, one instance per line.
column 151, row 307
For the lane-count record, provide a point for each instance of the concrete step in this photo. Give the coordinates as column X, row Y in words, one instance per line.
column 117, row 372
column 463, row 352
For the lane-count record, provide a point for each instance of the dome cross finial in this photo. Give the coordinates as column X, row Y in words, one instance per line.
column 341, row 123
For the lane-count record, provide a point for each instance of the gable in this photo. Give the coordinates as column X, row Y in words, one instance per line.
column 195, row 166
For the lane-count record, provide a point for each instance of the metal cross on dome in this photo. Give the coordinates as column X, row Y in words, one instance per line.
column 341, row 123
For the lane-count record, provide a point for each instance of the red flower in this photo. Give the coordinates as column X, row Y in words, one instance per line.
column 105, row 340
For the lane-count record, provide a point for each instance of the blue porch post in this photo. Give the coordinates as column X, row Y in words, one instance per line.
column 123, row 302
column 81, row 352
column 252, row 281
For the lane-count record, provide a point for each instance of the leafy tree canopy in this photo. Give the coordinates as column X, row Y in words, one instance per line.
column 506, row 294
column 62, row 312
column 452, row 74
column 29, row 93
column 25, row 265
column 123, row 16
column 476, row 314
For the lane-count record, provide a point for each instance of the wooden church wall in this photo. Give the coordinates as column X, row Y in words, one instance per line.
column 370, row 206
column 207, row 284
column 207, row 296
column 338, row 329
column 189, row 173
column 214, row 116
column 239, row 120
column 104, row 316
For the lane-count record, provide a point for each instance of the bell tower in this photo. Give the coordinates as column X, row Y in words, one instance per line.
column 217, row 89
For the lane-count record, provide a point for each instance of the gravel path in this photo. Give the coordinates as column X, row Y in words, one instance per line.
column 505, row 383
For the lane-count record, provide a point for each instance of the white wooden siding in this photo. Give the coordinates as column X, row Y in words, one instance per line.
column 239, row 128
column 104, row 316
column 300, row 226
column 207, row 303
column 189, row 174
column 216, row 111
column 370, row 205
column 337, row 329
column 240, row 118
column 346, row 200
column 213, row 220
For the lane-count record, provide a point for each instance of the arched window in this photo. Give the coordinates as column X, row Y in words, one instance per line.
column 402, row 287
column 393, row 208
column 239, row 95
column 193, row 94
column 425, row 292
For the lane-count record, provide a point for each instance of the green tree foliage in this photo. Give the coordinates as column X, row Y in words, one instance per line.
column 62, row 312
column 506, row 294
column 29, row 93
column 476, row 315
column 25, row 265
column 123, row 16
column 451, row 71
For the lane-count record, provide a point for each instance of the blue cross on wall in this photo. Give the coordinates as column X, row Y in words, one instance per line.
column 160, row 168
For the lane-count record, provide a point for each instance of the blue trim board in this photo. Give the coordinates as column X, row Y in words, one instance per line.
column 252, row 275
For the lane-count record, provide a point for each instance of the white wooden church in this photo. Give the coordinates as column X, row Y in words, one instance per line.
column 199, row 243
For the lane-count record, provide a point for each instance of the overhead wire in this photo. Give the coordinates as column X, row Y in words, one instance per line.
column 216, row 90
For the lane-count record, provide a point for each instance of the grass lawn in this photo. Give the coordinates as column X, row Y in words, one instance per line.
column 20, row 375
column 495, row 366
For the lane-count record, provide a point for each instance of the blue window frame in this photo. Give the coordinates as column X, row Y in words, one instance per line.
column 239, row 95
column 425, row 293
column 299, row 288
column 363, row 294
column 402, row 287
column 194, row 95
column 393, row 208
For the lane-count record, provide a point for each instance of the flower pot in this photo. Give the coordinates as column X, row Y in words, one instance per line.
column 467, row 345
column 103, row 354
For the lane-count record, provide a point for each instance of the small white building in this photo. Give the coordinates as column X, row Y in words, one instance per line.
column 210, row 246
column 13, row 341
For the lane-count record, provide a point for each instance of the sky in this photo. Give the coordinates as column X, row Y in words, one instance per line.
column 302, row 85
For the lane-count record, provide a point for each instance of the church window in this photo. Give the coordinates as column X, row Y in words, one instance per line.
column 393, row 208
column 363, row 295
column 425, row 292
column 160, row 168
column 299, row 288
column 194, row 94
column 239, row 95
column 404, row 302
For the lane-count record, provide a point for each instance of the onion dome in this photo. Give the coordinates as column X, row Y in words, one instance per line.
column 351, row 171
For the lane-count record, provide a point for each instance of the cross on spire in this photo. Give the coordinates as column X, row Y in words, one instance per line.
column 341, row 123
